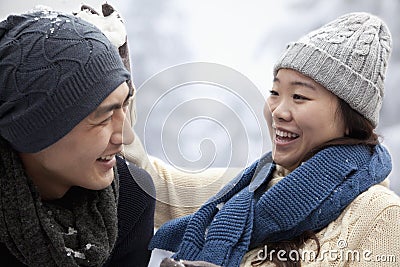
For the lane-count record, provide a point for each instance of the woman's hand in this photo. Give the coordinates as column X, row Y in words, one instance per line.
column 168, row 262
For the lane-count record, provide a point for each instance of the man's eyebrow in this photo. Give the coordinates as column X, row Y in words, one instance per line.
column 100, row 110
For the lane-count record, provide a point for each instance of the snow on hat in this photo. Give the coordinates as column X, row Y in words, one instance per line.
column 349, row 57
column 55, row 69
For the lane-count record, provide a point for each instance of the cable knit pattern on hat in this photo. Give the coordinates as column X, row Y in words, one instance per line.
column 55, row 70
column 349, row 57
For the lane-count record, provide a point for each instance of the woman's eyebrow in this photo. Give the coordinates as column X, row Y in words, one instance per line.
column 303, row 84
column 297, row 83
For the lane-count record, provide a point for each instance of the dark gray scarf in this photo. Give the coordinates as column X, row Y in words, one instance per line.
column 78, row 230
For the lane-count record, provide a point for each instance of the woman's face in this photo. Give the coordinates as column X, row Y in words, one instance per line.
column 301, row 115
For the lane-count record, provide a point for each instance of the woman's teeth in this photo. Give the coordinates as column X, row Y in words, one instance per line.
column 286, row 134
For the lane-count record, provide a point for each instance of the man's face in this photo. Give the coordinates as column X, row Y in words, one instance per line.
column 85, row 156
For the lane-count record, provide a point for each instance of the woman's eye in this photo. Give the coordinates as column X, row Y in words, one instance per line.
column 299, row 97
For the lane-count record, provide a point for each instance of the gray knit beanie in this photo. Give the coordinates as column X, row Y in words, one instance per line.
column 55, row 69
column 349, row 57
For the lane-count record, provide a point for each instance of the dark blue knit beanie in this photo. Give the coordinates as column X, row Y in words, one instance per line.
column 55, row 69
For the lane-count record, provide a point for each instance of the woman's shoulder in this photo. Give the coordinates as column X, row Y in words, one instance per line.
column 369, row 224
column 376, row 202
column 371, row 203
column 380, row 192
column 366, row 231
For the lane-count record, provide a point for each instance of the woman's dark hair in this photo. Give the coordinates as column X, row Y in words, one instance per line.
column 359, row 131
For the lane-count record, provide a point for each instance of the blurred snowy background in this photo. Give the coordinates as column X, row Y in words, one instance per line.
column 202, row 69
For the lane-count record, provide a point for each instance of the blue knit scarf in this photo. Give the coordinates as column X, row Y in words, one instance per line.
column 309, row 198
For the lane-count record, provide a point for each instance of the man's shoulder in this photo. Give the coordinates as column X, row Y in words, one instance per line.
column 136, row 191
column 7, row 257
column 135, row 178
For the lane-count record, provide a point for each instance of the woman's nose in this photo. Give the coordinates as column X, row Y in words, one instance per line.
column 281, row 111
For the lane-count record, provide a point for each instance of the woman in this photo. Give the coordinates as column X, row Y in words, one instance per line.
column 322, row 189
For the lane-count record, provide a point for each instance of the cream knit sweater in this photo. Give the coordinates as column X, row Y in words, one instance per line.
column 367, row 233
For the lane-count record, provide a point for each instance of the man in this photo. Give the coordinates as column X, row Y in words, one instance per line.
column 178, row 193
column 67, row 198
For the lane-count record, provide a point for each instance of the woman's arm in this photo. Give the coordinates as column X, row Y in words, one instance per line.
column 178, row 193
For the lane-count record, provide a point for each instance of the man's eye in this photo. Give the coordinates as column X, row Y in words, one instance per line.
column 105, row 121
column 273, row 92
column 126, row 103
